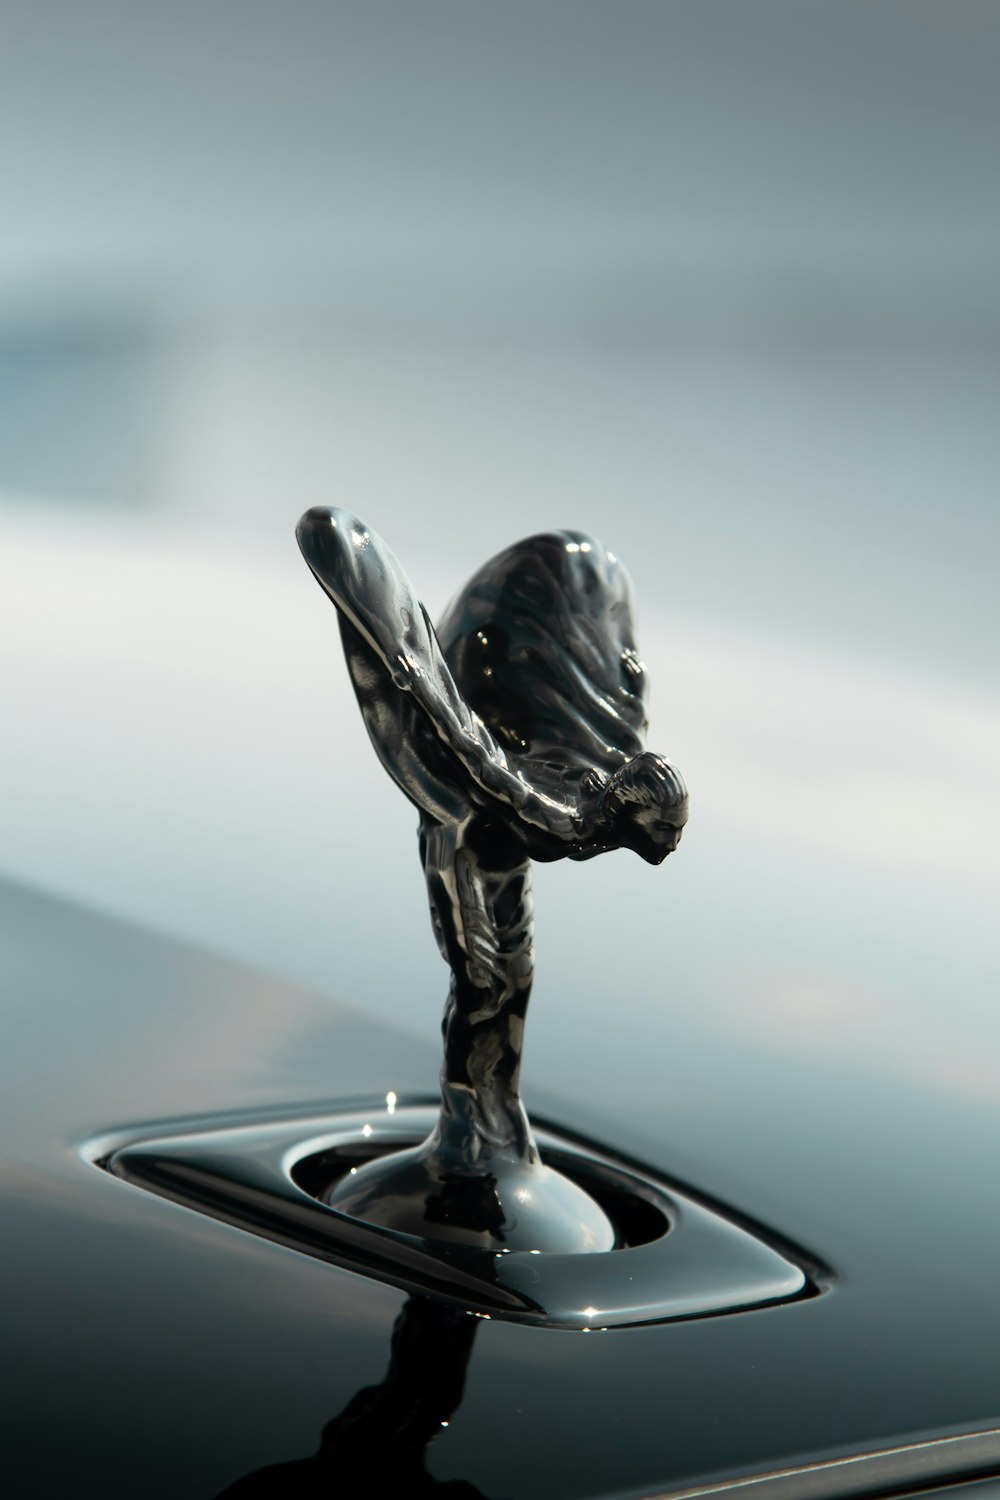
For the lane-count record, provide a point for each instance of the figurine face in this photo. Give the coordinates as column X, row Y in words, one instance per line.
column 650, row 834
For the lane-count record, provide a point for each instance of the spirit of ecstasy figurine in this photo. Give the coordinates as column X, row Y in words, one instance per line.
column 516, row 730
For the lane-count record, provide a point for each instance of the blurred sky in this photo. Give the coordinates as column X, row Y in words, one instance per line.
column 716, row 281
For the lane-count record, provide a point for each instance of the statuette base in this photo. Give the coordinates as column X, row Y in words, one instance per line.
column 509, row 1206
column 674, row 1256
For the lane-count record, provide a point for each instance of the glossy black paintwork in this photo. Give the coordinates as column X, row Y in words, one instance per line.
column 151, row 1350
column 516, row 730
column 379, row 1443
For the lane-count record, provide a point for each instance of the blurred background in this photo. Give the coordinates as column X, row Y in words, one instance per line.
column 715, row 281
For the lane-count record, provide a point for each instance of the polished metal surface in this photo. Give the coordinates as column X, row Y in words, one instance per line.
column 907, row 1469
column 516, row 730
column 673, row 1257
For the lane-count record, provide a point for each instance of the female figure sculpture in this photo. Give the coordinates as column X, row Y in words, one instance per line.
column 516, row 730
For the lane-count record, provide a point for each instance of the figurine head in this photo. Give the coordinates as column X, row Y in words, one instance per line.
column 646, row 803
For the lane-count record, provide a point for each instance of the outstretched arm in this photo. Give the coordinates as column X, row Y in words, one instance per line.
column 367, row 584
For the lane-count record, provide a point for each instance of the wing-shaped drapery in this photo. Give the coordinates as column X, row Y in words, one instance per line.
column 541, row 642
column 373, row 594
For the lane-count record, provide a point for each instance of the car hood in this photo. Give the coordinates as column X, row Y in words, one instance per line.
column 153, row 1350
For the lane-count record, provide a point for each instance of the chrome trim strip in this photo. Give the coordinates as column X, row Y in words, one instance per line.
column 902, row 1469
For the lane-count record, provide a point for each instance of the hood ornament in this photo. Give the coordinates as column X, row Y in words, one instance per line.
column 516, row 729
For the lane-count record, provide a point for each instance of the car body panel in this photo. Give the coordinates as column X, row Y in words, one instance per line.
column 156, row 1350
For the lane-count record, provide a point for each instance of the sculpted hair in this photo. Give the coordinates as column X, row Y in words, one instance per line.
column 645, row 781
